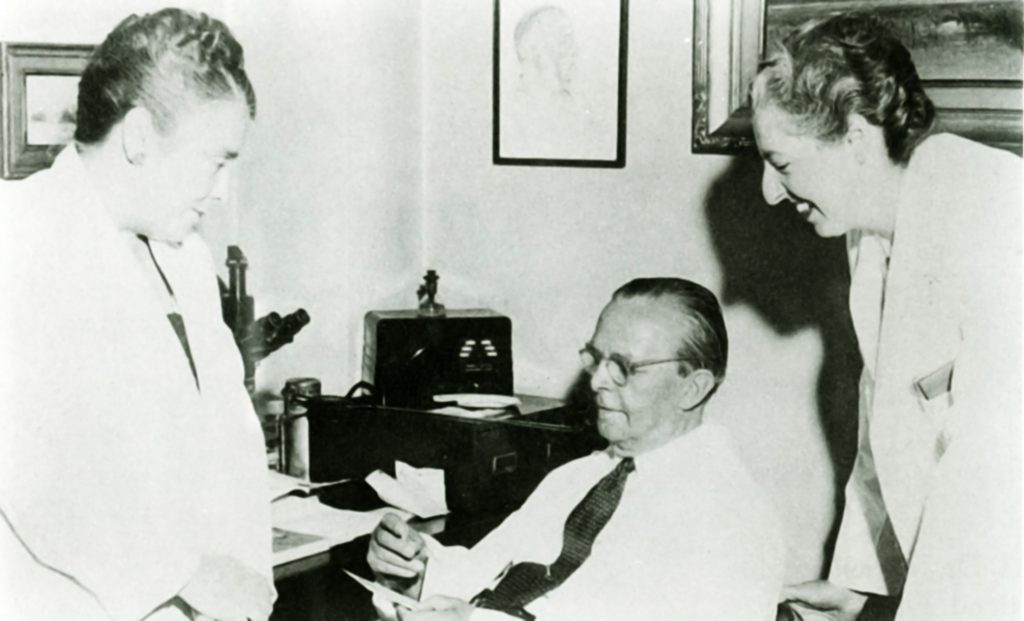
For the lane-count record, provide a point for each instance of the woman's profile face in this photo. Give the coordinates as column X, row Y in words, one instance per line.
column 818, row 177
column 187, row 171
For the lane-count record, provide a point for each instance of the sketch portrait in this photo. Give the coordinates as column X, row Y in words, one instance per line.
column 557, row 81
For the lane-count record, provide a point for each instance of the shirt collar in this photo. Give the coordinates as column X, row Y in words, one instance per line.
column 686, row 445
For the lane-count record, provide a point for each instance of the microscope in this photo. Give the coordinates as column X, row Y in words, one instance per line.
column 256, row 338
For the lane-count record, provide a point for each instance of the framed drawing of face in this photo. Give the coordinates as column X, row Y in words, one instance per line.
column 560, row 83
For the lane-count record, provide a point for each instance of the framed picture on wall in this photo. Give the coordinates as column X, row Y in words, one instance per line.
column 968, row 54
column 39, row 101
column 560, row 82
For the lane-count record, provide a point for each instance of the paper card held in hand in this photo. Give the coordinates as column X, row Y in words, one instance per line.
column 385, row 593
column 419, row 491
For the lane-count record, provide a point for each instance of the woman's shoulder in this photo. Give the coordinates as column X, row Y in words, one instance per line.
column 952, row 150
column 951, row 178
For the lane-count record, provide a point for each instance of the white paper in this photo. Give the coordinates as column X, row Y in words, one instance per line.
column 479, row 400
column 280, row 485
column 419, row 491
column 454, row 410
column 309, row 516
column 385, row 593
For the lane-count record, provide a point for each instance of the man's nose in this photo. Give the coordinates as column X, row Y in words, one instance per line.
column 600, row 379
column 771, row 186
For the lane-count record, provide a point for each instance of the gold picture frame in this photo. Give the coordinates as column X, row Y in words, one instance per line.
column 39, row 97
column 729, row 39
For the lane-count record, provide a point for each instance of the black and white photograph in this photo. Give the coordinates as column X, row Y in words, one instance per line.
column 486, row 310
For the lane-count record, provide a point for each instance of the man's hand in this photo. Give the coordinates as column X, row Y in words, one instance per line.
column 224, row 589
column 833, row 601
column 396, row 554
column 438, row 608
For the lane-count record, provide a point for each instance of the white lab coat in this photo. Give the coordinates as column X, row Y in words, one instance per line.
column 118, row 475
column 936, row 486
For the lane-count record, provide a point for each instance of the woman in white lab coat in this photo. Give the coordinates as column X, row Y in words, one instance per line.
column 932, row 223
column 134, row 476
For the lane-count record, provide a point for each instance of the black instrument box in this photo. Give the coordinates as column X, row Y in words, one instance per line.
column 489, row 464
column 409, row 358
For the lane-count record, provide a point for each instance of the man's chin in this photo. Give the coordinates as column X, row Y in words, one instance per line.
column 610, row 423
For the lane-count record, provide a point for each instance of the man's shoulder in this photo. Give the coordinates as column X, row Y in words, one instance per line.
column 571, row 470
column 583, row 462
column 724, row 472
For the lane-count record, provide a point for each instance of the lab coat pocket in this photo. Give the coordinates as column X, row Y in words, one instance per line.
column 935, row 397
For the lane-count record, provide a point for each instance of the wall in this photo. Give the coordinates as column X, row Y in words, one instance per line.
column 330, row 209
column 547, row 246
column 80, row 21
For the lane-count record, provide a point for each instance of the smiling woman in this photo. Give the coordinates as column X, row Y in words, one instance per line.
column 933, row 233
column 823, row 179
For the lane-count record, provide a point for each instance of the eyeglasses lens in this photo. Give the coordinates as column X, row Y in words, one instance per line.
column 616, row 368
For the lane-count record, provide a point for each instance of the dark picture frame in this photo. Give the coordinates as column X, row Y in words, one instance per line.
column 559, row 83
column 38, row 98
column 729, row 39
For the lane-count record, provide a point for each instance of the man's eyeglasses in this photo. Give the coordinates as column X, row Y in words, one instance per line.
column 620, row 368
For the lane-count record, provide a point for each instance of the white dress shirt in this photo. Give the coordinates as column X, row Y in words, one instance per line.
column 692, row 538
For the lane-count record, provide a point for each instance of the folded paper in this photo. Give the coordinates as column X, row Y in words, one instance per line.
column 419, row 491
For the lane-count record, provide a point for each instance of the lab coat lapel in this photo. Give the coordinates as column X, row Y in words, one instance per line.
column 917, row 330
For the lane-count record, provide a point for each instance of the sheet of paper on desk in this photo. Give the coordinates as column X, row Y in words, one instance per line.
column 473, row 405
column 305, row 526
column 280, row 485
column 454, row 410
column 387, row 594
column 419, row 491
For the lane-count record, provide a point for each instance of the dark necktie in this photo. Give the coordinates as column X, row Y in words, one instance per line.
column 525, row 582
column 177, row 321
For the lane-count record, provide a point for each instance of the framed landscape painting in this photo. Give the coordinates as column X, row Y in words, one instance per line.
column 968, row 54
column 39, row 101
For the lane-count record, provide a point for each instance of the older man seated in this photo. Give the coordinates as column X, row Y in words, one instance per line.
column 666, row 523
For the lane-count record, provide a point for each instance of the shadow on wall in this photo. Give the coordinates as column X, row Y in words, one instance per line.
column 773, row 262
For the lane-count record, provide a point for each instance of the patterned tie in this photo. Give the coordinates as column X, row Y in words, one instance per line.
column 525, row 582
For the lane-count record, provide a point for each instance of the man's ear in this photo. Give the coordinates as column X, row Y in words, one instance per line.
column 138, row 135
column 700, row 383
